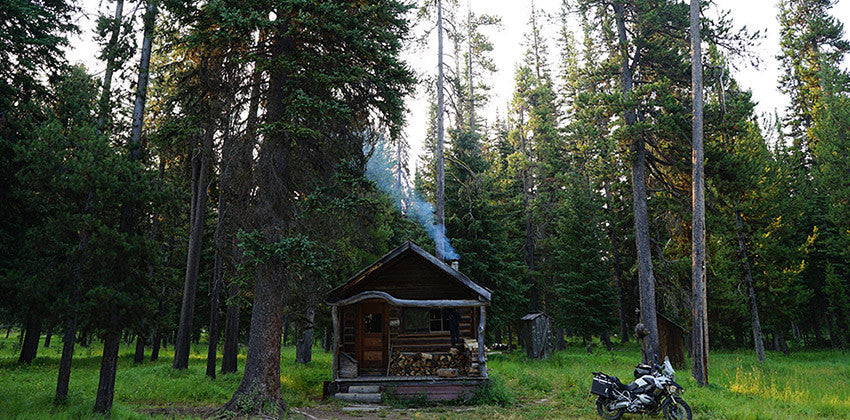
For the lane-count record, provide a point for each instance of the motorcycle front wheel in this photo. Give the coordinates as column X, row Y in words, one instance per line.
column 678, row 409
column 605, row 412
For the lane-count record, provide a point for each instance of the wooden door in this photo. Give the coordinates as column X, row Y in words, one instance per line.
column 372, row 337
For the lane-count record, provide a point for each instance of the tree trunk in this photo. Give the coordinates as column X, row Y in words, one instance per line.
column 646, row 277
column 108, row 367
column 214, row 298
column 326, row 343
column 65, row 361
column 698, row 301
column 8, row 331
column 112, row 52
column 286, row 330
column 156, row 343
column 605, row 338
column 259, row 389
column 231, row 332
column 751, row 292
column 618, row 270
column 304, row 344
column 139, row 355
column 29, row 349
column 200, row 167
column 440, row 194
column 48, row 336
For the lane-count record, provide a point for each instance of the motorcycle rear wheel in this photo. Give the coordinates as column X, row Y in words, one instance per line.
column 678, row 409
column 605, row 412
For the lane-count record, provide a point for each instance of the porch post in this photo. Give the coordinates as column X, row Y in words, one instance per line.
column 482, row 366
column 335, row 321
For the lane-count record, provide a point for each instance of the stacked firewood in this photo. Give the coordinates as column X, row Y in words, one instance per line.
column 454, row 363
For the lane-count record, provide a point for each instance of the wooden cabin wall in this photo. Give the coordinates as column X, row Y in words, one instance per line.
column 433, row 342
column 348, row 318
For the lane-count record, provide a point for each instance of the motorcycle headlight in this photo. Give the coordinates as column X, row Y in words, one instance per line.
column 672, row 389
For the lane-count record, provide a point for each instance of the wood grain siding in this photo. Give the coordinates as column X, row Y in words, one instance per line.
column 412, row 277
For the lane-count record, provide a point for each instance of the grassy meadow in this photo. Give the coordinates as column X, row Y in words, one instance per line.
column 804, row 385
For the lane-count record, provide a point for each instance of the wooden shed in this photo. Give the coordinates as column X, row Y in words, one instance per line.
column 671, row 340
column 394, row 325
column 537, row 335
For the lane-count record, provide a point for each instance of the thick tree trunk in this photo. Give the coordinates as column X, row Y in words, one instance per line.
column 111, row 55
column 440, row 194
column 259, row 390
column 214, row 299
column 108, row 367
column 304, row 344
column 200, row 167
column 646, row 277
column 751, row 291
column 139, row 355
column 699, row 302
column 231, row 333
column 29, row 349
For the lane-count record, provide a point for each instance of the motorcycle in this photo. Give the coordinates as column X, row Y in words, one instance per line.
column 653, row 390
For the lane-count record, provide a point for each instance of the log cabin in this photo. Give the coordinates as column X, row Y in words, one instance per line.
column 410, row 324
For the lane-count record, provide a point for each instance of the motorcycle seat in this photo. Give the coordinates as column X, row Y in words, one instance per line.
column 630, row 387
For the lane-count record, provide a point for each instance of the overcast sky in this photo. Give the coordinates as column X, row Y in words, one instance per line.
column 508, row 51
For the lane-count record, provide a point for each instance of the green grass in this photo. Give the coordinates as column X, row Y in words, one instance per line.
column 810, row 384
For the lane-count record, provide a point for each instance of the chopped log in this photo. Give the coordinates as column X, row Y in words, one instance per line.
column 447, row 373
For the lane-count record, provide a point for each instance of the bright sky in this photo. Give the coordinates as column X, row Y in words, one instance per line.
column 509, row 50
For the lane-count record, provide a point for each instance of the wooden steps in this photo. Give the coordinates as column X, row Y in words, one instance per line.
column 361, row 394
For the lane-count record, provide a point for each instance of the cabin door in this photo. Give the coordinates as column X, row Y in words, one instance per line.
column 372, row 337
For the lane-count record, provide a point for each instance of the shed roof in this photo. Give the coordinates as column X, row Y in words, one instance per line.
column 533, row 316
column 407, row 248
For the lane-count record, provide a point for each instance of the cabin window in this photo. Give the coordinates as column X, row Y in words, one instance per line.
column 422, row 320
column 372, row 323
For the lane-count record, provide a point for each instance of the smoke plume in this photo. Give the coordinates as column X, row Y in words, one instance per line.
column 382, row 170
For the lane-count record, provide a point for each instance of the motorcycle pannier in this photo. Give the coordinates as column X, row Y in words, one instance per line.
column 602, row 386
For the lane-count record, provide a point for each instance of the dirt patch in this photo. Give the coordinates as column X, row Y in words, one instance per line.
column 178, row 411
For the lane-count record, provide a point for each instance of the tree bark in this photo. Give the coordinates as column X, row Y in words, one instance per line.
column 200, row 167
column 62, row 383
column 751, row 292
column 259, row 389
column 699, row 301
column 304, row 344
column 139, row 355
column 440, row 194
column 618, row 270
column 214, row 299
column 48, row 336
column 110, row 66
column 231, row 333
column 646, row 277
column 29, row 349
column 286, row 330
column 108, row 367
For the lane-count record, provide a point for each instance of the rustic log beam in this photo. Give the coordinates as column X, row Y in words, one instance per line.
column 482, row 365
column 449, row 303
column 335, row 320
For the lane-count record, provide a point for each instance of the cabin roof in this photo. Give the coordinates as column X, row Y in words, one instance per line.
column 375, row 269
